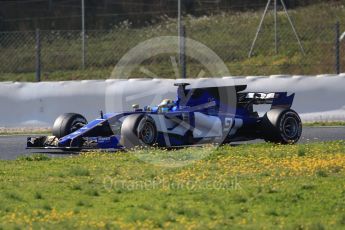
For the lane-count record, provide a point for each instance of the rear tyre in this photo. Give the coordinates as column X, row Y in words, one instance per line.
column 282, row 126
column 68, row 123
column 137, row 131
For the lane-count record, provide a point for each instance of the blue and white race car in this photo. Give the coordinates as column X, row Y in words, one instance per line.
column 198, row 116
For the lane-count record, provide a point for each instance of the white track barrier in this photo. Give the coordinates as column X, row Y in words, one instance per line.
column 318, row 98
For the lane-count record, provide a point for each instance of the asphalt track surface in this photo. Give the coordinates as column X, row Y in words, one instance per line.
column 12, row 147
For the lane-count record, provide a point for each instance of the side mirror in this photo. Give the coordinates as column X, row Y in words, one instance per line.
column 135, row 106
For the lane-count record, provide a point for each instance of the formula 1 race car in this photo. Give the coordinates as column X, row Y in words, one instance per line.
column 197, row 116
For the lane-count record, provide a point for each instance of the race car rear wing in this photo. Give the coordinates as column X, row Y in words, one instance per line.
column 277, row 100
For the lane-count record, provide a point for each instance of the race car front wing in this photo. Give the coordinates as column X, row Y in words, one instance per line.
column 52, row 142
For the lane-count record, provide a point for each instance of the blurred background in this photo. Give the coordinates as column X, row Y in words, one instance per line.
column 84, row 39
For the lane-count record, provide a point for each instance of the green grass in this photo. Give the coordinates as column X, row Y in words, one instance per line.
column 259, row 186
column 229, row 35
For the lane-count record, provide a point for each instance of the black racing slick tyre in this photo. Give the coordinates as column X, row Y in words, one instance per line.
column 68, row 123
column 282, row 126
column 138, row 130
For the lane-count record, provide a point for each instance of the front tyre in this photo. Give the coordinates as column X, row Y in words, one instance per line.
column 283, row 126
column 147, row 131
column 68, row 123
column 137, row 131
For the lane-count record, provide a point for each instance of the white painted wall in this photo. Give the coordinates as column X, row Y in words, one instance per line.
column 318, row 98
